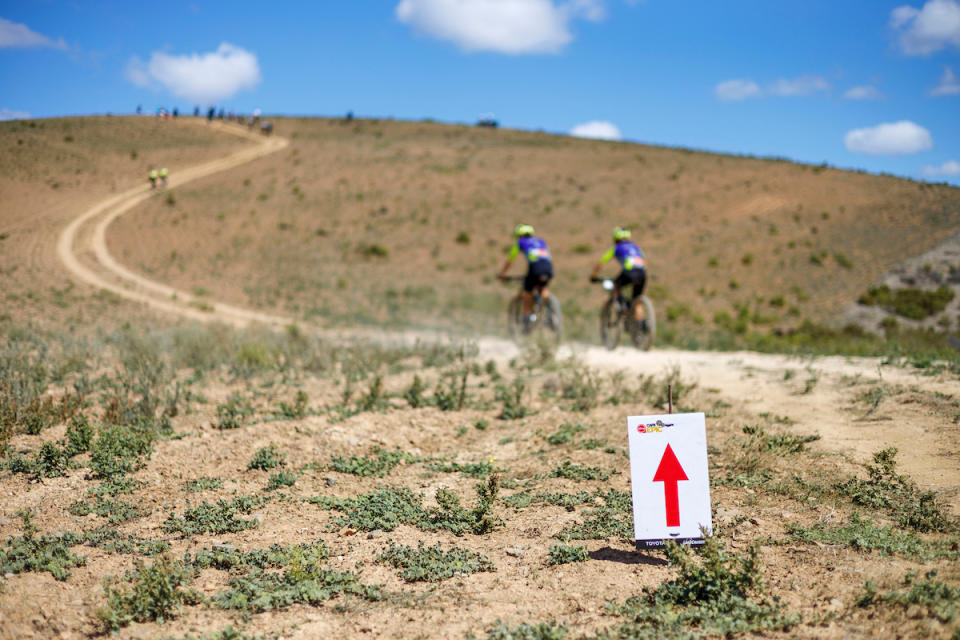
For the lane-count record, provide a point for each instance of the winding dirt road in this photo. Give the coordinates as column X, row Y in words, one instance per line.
column 818, row 395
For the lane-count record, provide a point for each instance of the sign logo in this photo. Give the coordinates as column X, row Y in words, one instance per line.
column 654, row 427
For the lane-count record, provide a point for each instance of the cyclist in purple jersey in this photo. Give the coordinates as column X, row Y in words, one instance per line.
column 633, row 264
column 539, row 265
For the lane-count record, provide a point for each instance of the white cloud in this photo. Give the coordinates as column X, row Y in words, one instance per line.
column 741, row 89
column 923, row 31
column 503, row 26
column 205, row 78
column 10, row 114
column 20, row 36
column 597, row 129
column 949, row 84
column 863, row 92
column 889, row 139
column 801, row 86
column 948, row 169
column 734, row 90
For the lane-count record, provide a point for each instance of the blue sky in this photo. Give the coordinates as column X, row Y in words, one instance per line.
column 872, row 85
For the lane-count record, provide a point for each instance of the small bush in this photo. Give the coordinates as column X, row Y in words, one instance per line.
column 939, row 599
column 220, row 517
column 203, row 484
column 266, row 458
column 577, row 472
column 281, row 479
column 433, row 564
column 155, row 595
column 373, row 251
column 414, row 395
column 233, row 413
column 463, row 238
column 50, row 553
column 720, row 595
column 863, row 534
column 378, row 466
column 565, row 554
column 916, row 304
column 897, row 494
column 512, row 398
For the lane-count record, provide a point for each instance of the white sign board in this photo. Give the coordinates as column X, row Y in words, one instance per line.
column 670, row 478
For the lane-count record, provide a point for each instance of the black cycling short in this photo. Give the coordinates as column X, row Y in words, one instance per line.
column 538, row 275
column 635, row 277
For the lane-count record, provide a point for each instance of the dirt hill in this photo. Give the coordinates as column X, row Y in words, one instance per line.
column 389, row 221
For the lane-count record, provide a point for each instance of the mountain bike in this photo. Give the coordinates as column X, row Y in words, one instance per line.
column 545, row 316
column 617, row 316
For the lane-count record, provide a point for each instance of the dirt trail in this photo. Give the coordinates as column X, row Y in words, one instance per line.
column 817, row 395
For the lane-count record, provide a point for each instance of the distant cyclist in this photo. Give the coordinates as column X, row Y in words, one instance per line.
column 163, row 176
column 539, row 265
column 153, row 175
column 634, row 268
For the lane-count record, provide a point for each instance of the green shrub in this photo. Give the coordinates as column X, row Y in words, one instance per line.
column 468, row 470
column 863, row 534
column 120, row 449
column 79, row 436
column 379, row 466
column 373, row 251
column 525, row 631
column 281, row 479
column 886, row 489
column 50, row 553
column 203, row 484
column 301, row 583
column 938, row 599
column 916, row 304
column 295, row 411
column 385, row 509
column 116, row 511
column 219, row 517
column 720, row 595
column 512, row 398
column 433, row 564
column 577, row 472
column 414, row 395
column 565, row 554
column 267, row 458
column 565, row 433
column 463, row 238
column 156, row 594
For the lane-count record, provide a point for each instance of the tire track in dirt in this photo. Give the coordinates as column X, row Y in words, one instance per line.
column 755, row 383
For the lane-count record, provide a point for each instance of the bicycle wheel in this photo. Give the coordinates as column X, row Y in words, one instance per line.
column 553, row 317
column 515, row 319
column 610, row 325
column 643, row 332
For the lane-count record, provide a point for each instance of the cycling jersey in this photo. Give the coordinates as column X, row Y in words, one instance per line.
column 534, row 249
column 629, row 255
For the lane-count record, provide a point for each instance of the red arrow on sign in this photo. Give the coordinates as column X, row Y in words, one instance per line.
column 669, row 472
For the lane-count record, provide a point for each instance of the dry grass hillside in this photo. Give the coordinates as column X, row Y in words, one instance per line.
column 51, row 171
column 389, row 221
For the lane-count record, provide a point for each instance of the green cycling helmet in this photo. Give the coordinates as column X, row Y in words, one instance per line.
column 522, row 230
column 619, row 233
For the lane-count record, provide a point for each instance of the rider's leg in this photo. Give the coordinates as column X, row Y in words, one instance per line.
column 527, row 303
column 638, row 286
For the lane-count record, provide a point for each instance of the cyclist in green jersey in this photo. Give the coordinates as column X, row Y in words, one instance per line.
column 539, row 264
column 634, row 268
